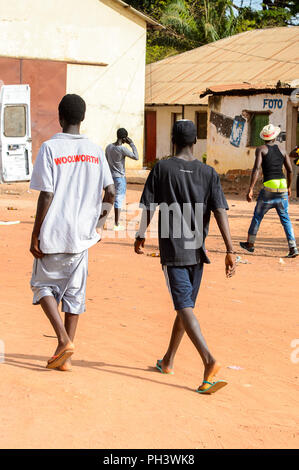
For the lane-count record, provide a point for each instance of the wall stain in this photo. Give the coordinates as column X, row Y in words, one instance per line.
column 223, row 124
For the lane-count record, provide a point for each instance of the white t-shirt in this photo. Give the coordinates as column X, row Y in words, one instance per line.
column 76, row 171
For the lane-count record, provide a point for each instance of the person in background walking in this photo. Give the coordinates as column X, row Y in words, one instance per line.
column 276, row 188
column 116, row 154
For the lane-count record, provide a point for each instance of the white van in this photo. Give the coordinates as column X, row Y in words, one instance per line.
column 15, row 134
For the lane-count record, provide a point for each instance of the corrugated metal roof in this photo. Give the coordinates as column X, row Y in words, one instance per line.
column 255, row 58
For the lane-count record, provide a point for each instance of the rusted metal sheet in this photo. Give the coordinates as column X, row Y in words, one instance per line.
column 9, row 71
column 47, row 80
column 255, row 56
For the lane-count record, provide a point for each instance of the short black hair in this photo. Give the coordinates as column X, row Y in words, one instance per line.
column 72, row 109
column 122, row 133
column 184, row 133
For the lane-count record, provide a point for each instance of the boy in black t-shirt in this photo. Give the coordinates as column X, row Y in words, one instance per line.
column 186, row 191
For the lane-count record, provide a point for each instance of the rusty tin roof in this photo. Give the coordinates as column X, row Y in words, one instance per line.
column 258, row 58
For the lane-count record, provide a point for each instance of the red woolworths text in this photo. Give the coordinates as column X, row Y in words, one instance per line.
column 76, row 159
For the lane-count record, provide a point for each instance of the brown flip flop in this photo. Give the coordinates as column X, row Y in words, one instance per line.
column 59, row 359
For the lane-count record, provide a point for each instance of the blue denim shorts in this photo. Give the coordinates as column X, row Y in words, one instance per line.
column 183, row 283
column 120, row 184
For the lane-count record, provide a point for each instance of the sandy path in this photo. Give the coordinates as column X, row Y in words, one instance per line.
column 114, row 398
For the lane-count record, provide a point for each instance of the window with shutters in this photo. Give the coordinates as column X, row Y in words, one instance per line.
column 256, row 123
column 201, row 124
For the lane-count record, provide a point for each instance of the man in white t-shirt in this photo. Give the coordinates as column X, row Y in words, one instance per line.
column 70, row 172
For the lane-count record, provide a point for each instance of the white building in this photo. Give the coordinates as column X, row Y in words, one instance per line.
column 95, row 48
column 236, row 116
column 255, row 60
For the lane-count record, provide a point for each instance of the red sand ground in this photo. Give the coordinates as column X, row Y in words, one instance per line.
column 114, row 397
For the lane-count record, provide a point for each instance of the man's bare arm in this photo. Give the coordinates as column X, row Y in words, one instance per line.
column 223, row 225
column 43, row 204
column 146, row 218
column 107, row 204
column 289, row 170
column 255, row 172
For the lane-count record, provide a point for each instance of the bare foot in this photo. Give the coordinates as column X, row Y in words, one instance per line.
column 62, row 353
column 67, row 366
column 63, row 346
column 211, row 370
column 167, row 365
column 163, row 368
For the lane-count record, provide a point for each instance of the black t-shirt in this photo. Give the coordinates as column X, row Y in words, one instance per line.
column 186, row 192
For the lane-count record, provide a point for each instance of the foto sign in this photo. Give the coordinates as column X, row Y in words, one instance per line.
column 275, row 103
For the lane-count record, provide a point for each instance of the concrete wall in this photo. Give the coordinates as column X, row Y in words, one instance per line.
column 221, row 153
column 164, row 125
column 79, row 33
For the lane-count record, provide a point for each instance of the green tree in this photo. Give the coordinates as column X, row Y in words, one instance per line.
column 192, row 23
column 150, row 7
column 292, row 6
column 272, row 14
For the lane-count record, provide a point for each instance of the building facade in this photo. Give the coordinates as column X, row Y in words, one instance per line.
column 236, row 117
column 158, row 125
column 94, row 48
column 255, row 71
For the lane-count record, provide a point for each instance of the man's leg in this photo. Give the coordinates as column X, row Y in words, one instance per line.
column 120, row 187
column 50, row 307
column 261, row 208
column 187, row 321
column 183, row 284
column 192, row 328
column 177, row 334
column 119, row 195
column 117, row 212
column 73, row 300
column 117, row 208
column 282, row 208
column 70, row 324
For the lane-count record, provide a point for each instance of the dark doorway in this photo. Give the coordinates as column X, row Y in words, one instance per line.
column 150, row 136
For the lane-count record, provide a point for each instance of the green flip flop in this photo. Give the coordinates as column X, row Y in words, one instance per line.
column 214, row 386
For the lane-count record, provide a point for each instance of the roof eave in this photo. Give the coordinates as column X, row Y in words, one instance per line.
column 247, row 91
column 146, row 18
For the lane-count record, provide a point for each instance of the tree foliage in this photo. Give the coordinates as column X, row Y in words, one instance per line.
column 192, row 23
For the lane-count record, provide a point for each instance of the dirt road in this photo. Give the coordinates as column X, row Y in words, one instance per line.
column 114, row 397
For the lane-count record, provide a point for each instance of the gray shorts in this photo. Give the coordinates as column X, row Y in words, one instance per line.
column 63, row 276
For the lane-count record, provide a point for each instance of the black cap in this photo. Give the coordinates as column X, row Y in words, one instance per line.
column 184, row 132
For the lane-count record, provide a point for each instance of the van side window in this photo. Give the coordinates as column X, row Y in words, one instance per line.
column 15, row 121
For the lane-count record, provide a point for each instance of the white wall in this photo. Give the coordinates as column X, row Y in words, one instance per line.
column 201, row 145
column 86, row 31
column 164, row 125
